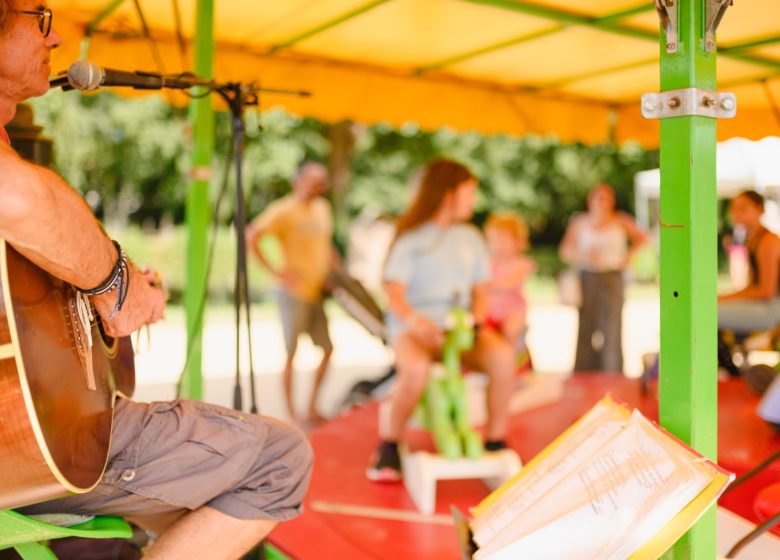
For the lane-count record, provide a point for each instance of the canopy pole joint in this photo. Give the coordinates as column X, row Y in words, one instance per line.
column 667, row 11
column 689, row 102
column 716, row 9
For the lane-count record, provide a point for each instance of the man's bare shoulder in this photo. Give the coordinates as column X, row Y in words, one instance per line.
column 6, row 149
column 12, row 165
column 11, row 161
column 16, row 187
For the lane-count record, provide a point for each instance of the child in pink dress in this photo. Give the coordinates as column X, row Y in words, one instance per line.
column 507, row 238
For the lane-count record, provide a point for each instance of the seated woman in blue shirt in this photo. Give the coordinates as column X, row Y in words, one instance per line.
column 437, row 261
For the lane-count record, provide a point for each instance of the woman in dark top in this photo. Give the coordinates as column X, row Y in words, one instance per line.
column 757, row 306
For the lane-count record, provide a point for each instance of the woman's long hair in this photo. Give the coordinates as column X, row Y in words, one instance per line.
column 440, row 177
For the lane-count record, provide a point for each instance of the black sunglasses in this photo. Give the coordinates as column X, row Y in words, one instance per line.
column 44, row 19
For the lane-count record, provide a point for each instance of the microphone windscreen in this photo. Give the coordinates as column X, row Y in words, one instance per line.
column 84, row 75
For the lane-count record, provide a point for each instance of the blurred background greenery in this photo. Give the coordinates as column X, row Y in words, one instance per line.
column 130, row 160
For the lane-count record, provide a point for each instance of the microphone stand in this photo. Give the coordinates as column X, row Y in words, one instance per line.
column 238, row 97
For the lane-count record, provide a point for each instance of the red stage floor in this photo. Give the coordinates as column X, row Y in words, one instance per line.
column 342, row 448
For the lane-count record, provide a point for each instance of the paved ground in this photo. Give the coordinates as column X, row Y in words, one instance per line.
column 357, row 355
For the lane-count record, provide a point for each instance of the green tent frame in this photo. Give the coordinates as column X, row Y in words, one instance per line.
column 688, row 384
column 198, row 208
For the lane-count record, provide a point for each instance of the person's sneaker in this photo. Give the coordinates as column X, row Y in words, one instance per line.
column 385, row 463
column 495, row 444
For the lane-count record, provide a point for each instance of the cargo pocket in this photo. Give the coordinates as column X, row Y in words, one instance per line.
column 188, row 453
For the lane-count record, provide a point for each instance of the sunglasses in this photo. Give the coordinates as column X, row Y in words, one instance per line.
column 44, row 19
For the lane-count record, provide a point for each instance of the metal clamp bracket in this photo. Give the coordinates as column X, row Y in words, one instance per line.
column 667, row 11
column 689, row 102
column 715, row 10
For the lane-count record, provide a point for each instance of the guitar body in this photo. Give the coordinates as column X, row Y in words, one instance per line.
column 54, row 430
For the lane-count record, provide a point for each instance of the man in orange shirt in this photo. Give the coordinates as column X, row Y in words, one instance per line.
column 303, row 223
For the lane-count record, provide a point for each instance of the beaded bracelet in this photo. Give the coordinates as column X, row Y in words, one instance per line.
column 118, row 280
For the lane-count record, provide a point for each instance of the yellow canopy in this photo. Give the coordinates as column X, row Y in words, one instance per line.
column 568, row 67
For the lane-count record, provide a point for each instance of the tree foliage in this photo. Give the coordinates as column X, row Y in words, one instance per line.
column 127, row 158
column 130, row 158
column 538, row 177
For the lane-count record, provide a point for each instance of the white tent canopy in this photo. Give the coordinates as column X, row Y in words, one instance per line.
column 741, row 164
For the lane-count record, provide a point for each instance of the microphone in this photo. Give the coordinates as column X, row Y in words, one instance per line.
column 87, row 76
column 60, row 81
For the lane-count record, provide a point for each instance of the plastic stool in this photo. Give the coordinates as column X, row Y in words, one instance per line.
column 422, row 470
column 27, row 535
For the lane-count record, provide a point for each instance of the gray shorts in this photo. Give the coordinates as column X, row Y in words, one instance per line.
column 169, row 458
column 300, row 317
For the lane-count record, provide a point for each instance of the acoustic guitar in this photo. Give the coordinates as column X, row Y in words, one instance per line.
column 57, row 390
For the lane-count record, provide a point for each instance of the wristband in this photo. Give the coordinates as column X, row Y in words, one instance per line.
column 118, row 279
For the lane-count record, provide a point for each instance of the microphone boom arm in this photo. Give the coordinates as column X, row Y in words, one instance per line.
column 84, row 75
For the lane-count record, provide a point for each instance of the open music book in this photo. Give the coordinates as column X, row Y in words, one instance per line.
column 613, row 486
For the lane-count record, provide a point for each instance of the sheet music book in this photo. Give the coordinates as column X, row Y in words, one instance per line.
column 613, row 486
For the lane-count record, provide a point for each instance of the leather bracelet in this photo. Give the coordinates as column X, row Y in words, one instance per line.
column 118, row 280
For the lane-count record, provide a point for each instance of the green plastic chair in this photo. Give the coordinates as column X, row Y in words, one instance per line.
column 28, row 536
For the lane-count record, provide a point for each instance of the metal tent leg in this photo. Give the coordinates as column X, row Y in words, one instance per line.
column 198, row 209
column 688, row 377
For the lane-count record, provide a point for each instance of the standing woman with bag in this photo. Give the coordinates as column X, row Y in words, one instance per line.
column 599, row 244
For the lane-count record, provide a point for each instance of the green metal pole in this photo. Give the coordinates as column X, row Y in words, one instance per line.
column 198, row 208
column 688, row 381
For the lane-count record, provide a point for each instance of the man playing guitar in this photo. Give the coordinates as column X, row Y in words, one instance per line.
column 209, row 482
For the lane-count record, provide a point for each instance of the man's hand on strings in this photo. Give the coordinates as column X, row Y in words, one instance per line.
column 145, row 303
